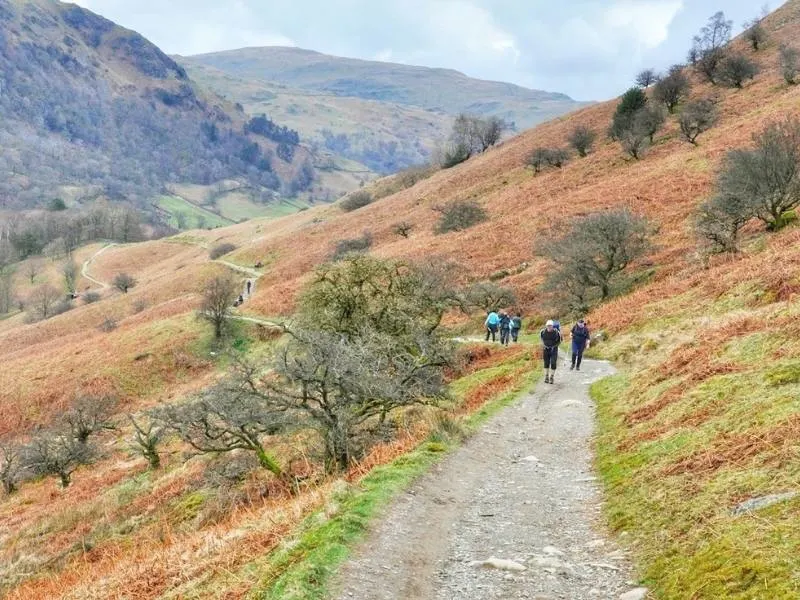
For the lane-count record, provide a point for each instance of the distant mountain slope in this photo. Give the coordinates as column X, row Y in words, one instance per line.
column 87, row 103
column 390, row 115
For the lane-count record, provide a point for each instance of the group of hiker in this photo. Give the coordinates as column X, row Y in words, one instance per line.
column 551, row 338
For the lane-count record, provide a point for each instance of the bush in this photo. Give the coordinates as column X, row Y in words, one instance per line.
column 634, row 140
column 356, row 200
column 124, row 282
column 61, row 307
column 547, row 157
column 629, row 105
column 719, row 220
column 139, row 305
column 455, row 154
column 91, row 297
column 755, row 34
column 672, row 89
column 221, row 250
column 649, row 120
column 789, row 61
column 582, row 139
column 460, row 215
column 108, row 325
column 696, row 118
column 403, row 228
column 357, row 245
column 735, row 69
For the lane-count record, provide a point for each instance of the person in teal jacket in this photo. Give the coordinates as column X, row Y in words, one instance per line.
column 492, row 325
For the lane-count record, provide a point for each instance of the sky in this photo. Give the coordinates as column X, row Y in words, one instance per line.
column 589, row 49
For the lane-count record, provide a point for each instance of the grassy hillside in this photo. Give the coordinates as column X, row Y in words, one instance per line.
column 702, row 417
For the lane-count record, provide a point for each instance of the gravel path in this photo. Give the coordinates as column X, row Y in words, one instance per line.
column 521, row 490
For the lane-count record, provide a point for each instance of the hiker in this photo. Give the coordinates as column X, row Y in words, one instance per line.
column 516, row 326
column 505, row 328
column 492, row 323
column 551, row 338
column 249, row 286
column 581, row 339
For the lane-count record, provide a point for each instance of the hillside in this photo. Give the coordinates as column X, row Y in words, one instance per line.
column 385, row 115
column 701, row 418
column 92, row 109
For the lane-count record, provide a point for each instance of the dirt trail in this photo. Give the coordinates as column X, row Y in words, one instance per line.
column 522, row 489
column 88, row 262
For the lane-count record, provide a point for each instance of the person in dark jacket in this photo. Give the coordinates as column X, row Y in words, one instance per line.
column 581, row 338
column 551, row 338
column 505, row 328
column 516, row 327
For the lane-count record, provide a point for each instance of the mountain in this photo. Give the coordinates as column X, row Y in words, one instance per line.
column 406, row 109
column 92, row 109
column 698, row 427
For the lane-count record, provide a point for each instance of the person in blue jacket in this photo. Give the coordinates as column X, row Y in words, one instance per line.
column 581, row 338
column 492, row 325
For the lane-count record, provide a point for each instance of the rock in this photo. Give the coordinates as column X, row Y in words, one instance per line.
column 530, row 459
column 552, row 551
column 637, row 594
column 498, row 563
column 758, row 503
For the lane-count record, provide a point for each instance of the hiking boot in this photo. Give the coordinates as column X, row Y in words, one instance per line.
column 577, row 368
column 572, row 367
column 547, row 378
column 551, row 380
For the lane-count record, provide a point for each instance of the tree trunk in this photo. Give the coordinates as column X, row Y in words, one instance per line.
column 65, row 477
column 268, row 462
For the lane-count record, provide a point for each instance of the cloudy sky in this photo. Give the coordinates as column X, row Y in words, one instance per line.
column 589, row 49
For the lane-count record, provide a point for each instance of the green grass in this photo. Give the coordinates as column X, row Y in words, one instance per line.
column 302, row 569
column 687, row 542
column 238, row 207
column 194, row 214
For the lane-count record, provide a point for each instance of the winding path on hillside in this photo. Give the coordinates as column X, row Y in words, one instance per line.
column 522, row 489
column 87, row 263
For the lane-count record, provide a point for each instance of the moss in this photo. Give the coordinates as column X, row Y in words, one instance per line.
column 784, row 374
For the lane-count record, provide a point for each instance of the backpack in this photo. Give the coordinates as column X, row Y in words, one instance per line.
column 516, row 323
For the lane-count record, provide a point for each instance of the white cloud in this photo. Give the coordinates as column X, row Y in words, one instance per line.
column 647, row 21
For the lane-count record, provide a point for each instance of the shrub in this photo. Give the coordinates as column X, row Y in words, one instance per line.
column 108, row 325
column 582, row 139
column 789, row 61
column 649, row 120
column 139, row 305
column 356, row 200
column 719, row 220
column 357, row 245
column 460, row 215
column 91, row 297
column 735, row 69
column 455, row 154
column 696, row 118
column 221, row 250
column 403, row 228
column 634, row 140
column 548, row 157
column 629, row 105
column 123, row 282
column 755, row 34
column 672, row 89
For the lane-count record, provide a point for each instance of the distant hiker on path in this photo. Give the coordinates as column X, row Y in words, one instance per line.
column 581, row 338
column 505, row 328
column 492, row 324
column 551, row 338
column 249, row 286
column 516, row 326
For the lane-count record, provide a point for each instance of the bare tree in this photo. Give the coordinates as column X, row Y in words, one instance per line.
column 218, row 296
column 582, row 138
column 649, row 120
column 768, row 176
column 755, row 33
column 146, row 438
column 789, row 62
column 70, row 271
column 697, row 117
column 596, row 250
column 43, row 300
column 548, row 157
column 33, row 267
column 124, row 282
column 11, row 465
column 89, row 415
column 719, row 220
column 489, row 131
column 488, row 296
column 634, row 141
column 672, row 89
column 57, row 453
column 708, row 47
column 735, row 69
column 227, row 418
column 646, row 78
